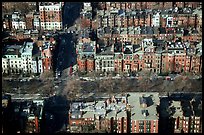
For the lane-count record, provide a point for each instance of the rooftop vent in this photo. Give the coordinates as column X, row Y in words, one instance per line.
column 145, row 113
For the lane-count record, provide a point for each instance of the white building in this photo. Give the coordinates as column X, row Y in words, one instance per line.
column 169, row 21
column 18, row 24
column 11, row 61
column 37, row 65
column 87, row 6
column 15, row 15
column 18, row 59
column 104, row 63
column 26, row 56
column 36, row 21
column 156, row 20
column 17, row 21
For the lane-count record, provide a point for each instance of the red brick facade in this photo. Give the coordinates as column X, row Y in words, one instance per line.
column 29, row 21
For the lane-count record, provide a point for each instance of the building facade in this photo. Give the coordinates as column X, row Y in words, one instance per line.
column 51, row 15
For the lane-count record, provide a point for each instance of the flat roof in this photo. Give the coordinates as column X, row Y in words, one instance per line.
column 88, row 114
column 137, row 110
column 176, row 109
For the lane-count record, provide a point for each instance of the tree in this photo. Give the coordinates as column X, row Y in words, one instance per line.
column 72, row 88
column 123, row 84
column 46, row 74
column 5, row 86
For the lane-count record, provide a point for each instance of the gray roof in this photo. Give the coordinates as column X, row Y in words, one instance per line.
column 147, row 30
column 121, row 114
column 88, row 114
column 100, row 104
column 107, row 30
column 107, row 51
column 88, row 48
column 176, row 109
column 136, row 110
column 111, row 113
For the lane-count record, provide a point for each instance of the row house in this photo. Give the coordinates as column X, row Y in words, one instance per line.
column 51, row 15
column 87, row 6
column 32, row 112
column 18, row 21
column 29, row 20
column 192, row 36
column 19, row 59
column 107, row 115
column 19, row 34
column 86, row 19
column 104, row 62
column 27, row 34
column 130, row 61
column 18, row 24
column 160, row 57
column 174, row 58
column 46, row 53
column 37, row 63
column 196, row 63
column 86, row 63
column 122, row 123
column 186, row 116
column 124, row 19
column 86, row 53
column 155, row 56
column 180, row 59
column 187, row 20
column 186, row 4
column 133, row 26
column 119, row 18
column 144, row 116
column 179, row 20
column 136, row 5
column 136, row 34
column 118, row 59
column 100, row 113
column 36, row 21
column 7, row 23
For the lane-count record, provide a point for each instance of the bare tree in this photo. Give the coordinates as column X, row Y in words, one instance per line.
column 122, row 85
column 47, row 74
column 5, row 86
column 72, row 88
column 107, row 85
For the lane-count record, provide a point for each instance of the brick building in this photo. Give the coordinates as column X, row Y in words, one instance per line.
column 51, row 15
column 7, row 22
column 144, row 116
column 122, row 123
column 46, row 56
column 186, row 118
column 118, row 59
column 29, row 20
column 118, row 22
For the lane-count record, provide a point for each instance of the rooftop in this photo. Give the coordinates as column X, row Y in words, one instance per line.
column 176, row 109
column 88, row 114
column 144, row 113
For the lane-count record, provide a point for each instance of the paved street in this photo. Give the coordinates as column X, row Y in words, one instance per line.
column 66, row 56
column 56, row 107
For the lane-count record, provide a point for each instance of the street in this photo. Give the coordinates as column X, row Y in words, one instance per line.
column 65, row 53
